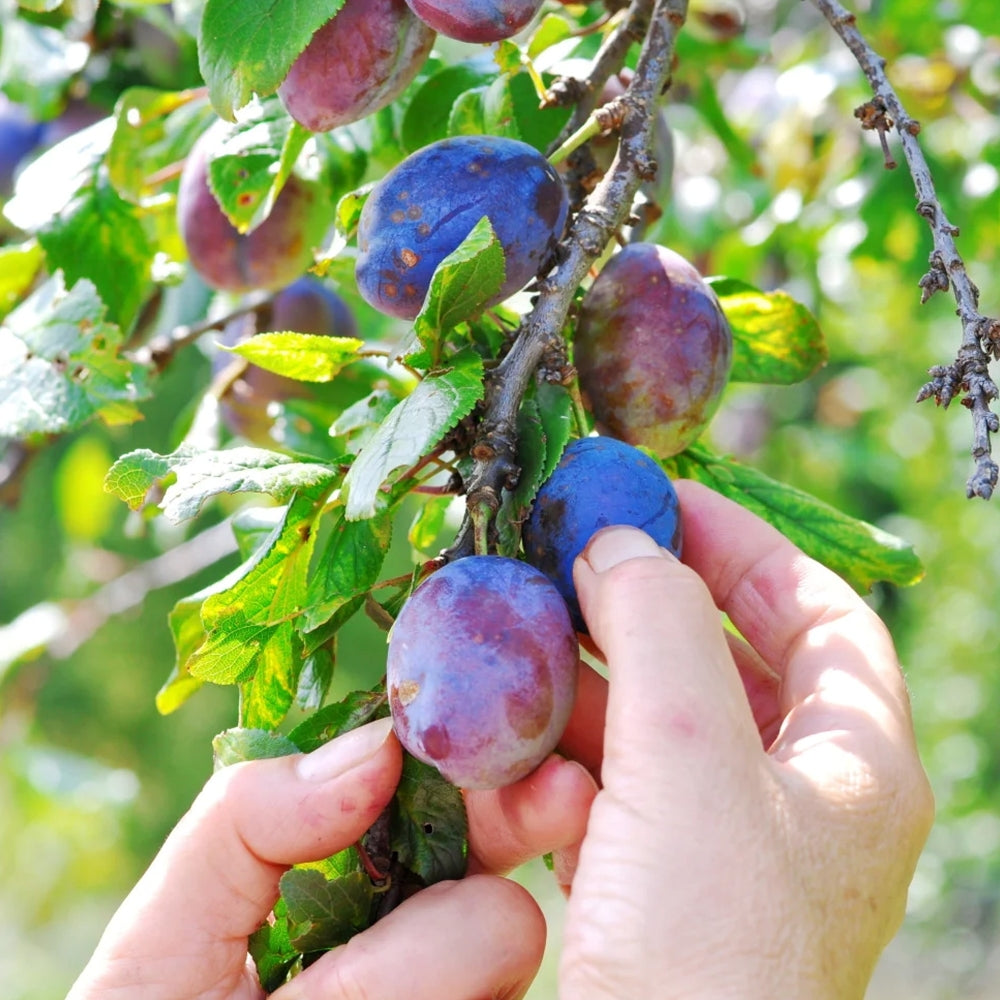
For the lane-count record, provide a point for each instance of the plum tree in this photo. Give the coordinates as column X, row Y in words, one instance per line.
column 422, row 210
column 481, row 670
column 357, row 63
column 653, row 349
column 476, row 20
column 305, row 306
column 270, row 256
column 599, row 481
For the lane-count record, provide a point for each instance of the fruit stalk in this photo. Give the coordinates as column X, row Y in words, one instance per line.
column 969, row 373
column 605, row 210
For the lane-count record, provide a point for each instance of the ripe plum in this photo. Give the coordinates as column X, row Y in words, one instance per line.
column 653, row 349
column 476, row 20
column 270, row 256
column 356, row 63
column 482, row 670
column 424, row 208
column 598, row 482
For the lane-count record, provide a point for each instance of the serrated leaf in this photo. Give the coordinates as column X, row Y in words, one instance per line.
column 860, row 552
column 428, row 523
column 776, row 340
column 315, row 678
column 356, row 709
column 267, row 696
column 348, row 565
column 247, row 47
column 100, row 236
column 303, row 356
column 413, row 427
column 555, row 410
column 322, row 912
column 467, row 116
column 471, row 275
column 531, row 460
column 204, row 474
column 271, row 949
column 428, row 823
column 233, row 746
column 59, row 364
column 252, row 162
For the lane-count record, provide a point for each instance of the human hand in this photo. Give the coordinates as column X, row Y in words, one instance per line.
column 762, row 804
column 182, row 932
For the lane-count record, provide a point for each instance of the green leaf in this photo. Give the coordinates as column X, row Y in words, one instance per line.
column 315, row 678
column 154, row 129
column 252, row 162
column 426, row 117
column 267, row 696
column 233, row 746
column 271, row 949
column 471, row 275
column 467, row 115
column 322, row 912
column 199, row 475
column 247, row 47
column 348, row 566
column 428, row 824
column 531, row 460
column 428, row 523
column 19, row 263
column 302, row 356
column 861, row 553
column 775, row 339
column 60, row 366
column 416, row 424
column 331, row 721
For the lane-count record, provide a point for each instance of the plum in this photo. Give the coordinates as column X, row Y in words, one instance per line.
column 356, row 63
column 653, row 349
column 19, row 136
column 476, row 20
column 274, row 254
column 424, row 208
column 481, row 670
column 305, row 306
column 599, row 481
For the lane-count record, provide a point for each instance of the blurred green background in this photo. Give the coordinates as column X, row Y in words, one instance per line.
column 774, row 183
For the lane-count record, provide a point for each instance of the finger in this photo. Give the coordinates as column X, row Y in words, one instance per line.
column 800, row 617
column 675, row 698
column 217, row 874
column 481, row 937
column 583, row 737
column 544, row 813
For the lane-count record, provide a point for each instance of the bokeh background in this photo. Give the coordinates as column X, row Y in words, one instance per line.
column 773, row 182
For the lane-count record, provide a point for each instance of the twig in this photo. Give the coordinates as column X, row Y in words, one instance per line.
column 607, row 208
column 969, row 374
column 61, row 628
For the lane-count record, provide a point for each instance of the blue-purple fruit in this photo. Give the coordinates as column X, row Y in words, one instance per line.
column 598, row 482
column 482, row 670
column 424, row 208
column 476, row 20
column 356, row 63
column 653, row 349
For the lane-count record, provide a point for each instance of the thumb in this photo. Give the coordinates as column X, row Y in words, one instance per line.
column 676, row 703
column 216, row 877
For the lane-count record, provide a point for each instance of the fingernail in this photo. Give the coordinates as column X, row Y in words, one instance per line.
column 611, row 546
column 345, row 752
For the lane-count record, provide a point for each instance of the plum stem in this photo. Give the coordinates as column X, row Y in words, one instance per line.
column 604, row 211
column 969, row 372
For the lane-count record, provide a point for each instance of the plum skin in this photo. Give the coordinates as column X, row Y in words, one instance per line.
column 426, row 206
column 356, row 64
column 599, row 482
column 476, row 20
column 481, row 671
column 653, row 349
column 271, row 256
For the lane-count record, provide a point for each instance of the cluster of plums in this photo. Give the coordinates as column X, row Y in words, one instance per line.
column 483, row 657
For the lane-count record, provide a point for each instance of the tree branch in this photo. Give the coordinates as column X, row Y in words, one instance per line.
column 605, row 210
column 969, row 374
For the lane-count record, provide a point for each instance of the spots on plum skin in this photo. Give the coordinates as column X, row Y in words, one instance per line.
column 409, row 257
column 405, row 692
column 529, row 707
column 436, row 742
column 414, row 212
column 423, row 229
column 398, row 216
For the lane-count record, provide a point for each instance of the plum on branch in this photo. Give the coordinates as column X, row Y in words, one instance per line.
column 476, row 20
